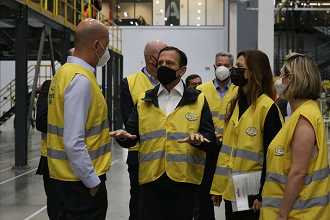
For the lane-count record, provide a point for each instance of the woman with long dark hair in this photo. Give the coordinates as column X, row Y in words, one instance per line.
column 252, row 121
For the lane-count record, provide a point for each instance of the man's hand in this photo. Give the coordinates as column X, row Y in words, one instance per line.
column 218, row 136
column 256, row 205
column 94, row 190
column 121, row 134
column 194, row 138
column 216, row 199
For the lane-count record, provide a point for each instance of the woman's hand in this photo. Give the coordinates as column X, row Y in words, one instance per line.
column 216, row 199
column 256, row 205
column 279, row 217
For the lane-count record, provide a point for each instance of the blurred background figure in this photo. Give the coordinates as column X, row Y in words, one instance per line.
column 193, row 80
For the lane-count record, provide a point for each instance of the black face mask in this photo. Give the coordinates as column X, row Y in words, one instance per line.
column 166, row 75
column 237, row 76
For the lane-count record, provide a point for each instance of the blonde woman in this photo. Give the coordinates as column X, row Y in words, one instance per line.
column 252, row 121
column 297, row 182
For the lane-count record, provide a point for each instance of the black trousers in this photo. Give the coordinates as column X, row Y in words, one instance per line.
column 165, row 199
column 78, row 203
column 53, row 199
column 204, row 208
column 243, row 215
column 133, row 171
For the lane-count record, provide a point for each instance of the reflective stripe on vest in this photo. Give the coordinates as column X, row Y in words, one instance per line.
column 222, row 117
column 187, row 158
column 171, row 136
column 222, row 171
column 152, row 135
column 53, row 129
column 298, row 204
column 151, row 156
column 219, row 130
column 95, row 130
column 226, row 149
column 43, row 136
column 61, row 155
column 245, row 154
column 214, row 113
column 318, row 175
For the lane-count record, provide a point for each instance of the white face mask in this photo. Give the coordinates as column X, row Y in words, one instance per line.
column 104, row 59
column 280, row 87
column 222, row 73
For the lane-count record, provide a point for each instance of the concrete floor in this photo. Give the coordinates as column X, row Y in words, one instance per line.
column 22, row 193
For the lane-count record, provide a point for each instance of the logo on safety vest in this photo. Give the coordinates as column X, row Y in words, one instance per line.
column 191, row 116
column 252, row 131
column 279, row 151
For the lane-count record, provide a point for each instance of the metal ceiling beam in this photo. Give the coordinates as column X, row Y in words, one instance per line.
column 8, row 41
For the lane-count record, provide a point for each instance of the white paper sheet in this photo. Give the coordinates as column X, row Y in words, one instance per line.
column 244, row 185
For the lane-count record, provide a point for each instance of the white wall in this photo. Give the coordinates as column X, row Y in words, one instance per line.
column 200, row 44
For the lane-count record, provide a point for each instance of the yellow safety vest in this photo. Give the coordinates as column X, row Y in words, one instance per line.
column 242, row 148
column 159, row 151
column 313, row 199
column 138, row 83
column 217, row 105
column 43, row 144
column 97, row 137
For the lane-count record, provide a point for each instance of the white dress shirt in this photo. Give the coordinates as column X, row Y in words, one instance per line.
column 169, row 101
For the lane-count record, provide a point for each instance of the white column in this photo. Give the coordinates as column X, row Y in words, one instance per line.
column 266, row 28
column 233, row 28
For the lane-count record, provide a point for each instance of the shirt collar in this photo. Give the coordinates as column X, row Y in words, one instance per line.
column 80, row 62
column 179, row 88
column 217, row 86
column 150, row 77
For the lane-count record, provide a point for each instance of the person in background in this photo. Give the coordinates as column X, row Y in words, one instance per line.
column 131, row 88
column 297, row 181
column 53, row 201
column 78, row 141
column 218, row 93
column 174, row 127
column 252, row 121
column 193, row 80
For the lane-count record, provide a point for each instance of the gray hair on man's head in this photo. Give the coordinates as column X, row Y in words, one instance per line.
column 225, row 54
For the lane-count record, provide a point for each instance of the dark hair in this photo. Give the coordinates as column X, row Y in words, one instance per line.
column 193, row 76
column 260, row 79
column 183, row 58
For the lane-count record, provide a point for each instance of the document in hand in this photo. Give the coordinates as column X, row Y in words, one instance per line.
column 244, row 185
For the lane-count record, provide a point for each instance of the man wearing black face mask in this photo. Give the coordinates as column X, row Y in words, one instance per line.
column 218, row 93
column 131, row 88
column 174, row 127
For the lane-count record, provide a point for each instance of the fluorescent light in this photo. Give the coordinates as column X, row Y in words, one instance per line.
column 125, row 14
column 198, row 25
column 199, row 3
column 199, row 11
column 161, row 11
column 165, row 19
column 131, row 22
column 198, row 18
column 157, row 2
column 171, row 25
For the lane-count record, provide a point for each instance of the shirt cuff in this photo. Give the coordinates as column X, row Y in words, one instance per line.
column 92, row 181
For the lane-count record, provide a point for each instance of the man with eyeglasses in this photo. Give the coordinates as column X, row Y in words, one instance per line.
column 218, row 93
column 131, row 88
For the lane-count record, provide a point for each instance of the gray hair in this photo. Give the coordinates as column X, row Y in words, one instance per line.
column 225, row 54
